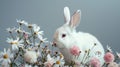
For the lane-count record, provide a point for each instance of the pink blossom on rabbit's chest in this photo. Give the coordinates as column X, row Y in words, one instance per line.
column 75, row 50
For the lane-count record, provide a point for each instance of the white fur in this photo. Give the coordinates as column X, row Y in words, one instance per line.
column 67, row 14
column 84, row 41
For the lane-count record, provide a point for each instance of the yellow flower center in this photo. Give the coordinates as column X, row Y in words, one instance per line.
column 19, row 31
column 61, row 56
column 5, row 56
column 29, row 26
column 57, row 62
column 14, row 43
column 35, row 33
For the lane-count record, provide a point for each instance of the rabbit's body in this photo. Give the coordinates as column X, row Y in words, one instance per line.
column 84, row 41
column 66, row 37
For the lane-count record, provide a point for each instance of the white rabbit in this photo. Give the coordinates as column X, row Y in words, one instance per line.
column 66, row 36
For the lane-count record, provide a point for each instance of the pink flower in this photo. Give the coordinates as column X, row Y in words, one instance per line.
column 109, row 57
column 26, row 35
column 94, row 62
column 74, row 50
column 48, row 64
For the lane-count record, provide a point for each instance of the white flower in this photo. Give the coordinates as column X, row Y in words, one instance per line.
column 15, row 43
column 10, row 29
column 118, row 54
column 22, row 22
column 109, row 48
column 44, row 40
column 37, row 31
column 25, row 23
column 30, row 56
column 50, row 61
column 5, row 57
column 18, row 30
column 59, row 62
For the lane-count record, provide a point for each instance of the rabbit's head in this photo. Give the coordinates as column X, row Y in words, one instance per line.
column 63, row 34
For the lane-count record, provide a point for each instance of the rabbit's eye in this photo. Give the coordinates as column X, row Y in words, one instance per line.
column 63, row 35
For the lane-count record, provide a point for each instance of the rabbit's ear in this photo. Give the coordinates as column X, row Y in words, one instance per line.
column 67, row 15
column 75, row 20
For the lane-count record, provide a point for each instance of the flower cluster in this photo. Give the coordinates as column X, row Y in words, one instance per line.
column 111, row 59
column 28, row 48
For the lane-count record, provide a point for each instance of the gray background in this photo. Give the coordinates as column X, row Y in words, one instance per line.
column 99, row 17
